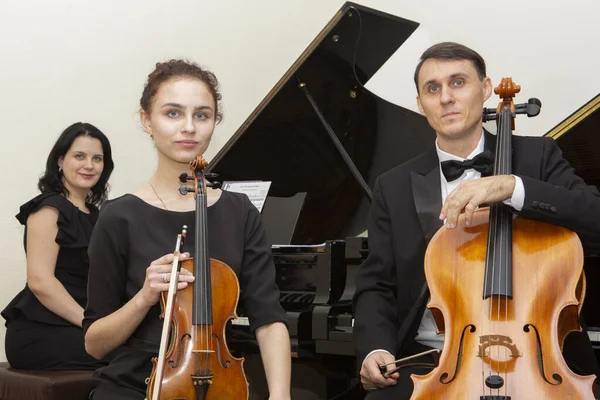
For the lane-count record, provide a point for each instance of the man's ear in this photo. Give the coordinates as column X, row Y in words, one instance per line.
column 420, row 106
column 145, row 120
column 487, row 88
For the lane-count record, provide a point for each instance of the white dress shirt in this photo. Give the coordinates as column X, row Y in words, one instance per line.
column 427, row 333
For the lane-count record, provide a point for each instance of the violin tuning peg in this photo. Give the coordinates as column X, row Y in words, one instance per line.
column 183, row 178
column 210, row 175
column 214, row 185
column 184, row 189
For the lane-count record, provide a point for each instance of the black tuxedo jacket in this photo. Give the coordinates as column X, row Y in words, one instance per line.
column 404, row 216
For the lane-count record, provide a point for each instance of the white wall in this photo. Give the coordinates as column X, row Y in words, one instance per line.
column 63, row 61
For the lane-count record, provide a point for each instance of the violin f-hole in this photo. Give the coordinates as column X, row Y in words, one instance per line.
column 175, row 364
column 225, row 364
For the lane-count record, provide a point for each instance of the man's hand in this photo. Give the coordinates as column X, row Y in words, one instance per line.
column 370, row 375
column 472, row 193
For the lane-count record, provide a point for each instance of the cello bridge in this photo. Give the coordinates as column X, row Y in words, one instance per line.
column 487, row 341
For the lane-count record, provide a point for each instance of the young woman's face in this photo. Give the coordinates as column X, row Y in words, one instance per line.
column 83, row 163
column 182, row 119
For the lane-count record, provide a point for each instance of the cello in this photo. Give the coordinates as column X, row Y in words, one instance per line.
column 194, row 362
column 506, row 291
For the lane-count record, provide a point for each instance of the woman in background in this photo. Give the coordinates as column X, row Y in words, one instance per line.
column 44, row 321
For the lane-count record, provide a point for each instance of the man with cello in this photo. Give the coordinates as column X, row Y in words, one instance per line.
column 412, row 201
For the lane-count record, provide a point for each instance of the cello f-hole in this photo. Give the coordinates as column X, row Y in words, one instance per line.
column 445, row 375
column 540, row 357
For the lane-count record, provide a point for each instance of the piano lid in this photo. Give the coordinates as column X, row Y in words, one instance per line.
column 579, row 139
column 285, row 142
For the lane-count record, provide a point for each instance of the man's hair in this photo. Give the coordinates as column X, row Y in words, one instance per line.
column 451, row 51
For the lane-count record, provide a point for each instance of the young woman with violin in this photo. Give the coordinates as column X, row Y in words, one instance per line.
column 132, row 248
column 44, row 320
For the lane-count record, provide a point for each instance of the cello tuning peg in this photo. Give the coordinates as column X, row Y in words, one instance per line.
column 533, row 107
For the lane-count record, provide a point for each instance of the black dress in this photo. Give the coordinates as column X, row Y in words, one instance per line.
column 130, row 234
column 36, row 338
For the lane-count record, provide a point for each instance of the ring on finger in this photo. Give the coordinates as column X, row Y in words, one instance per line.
column 164, row 277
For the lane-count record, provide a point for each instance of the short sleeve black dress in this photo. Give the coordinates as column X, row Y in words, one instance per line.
column 36, row 338
column 130, row 234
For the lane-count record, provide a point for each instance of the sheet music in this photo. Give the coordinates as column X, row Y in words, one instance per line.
column 256, row 191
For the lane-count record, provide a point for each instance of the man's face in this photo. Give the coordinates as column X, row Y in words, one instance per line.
column 451, row 96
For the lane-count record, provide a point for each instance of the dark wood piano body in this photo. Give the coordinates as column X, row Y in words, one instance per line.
column 284, row 141
column 578, row 136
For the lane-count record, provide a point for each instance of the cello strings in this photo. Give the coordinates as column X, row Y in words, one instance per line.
column 503, row 262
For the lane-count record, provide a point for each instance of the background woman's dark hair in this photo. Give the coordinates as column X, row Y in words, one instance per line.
column 51, row 181
column 180, row 69
column 451, row 51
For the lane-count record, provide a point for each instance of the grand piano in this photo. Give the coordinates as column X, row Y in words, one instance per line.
column 578, row 136
column 321, row 138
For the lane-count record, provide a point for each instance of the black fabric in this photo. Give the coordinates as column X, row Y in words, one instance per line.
column 130, row 234
column 390, row 281
column 74, row 231
column 482, row 162
column 38, row 346
column 72, row 264
column 402, row 390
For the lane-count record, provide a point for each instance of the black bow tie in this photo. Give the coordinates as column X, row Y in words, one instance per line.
column 483, row 162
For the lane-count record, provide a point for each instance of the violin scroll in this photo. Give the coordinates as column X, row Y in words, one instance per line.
column 198, row 165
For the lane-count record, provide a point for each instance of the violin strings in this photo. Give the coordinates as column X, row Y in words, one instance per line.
column 206, row 264
column 207, row 293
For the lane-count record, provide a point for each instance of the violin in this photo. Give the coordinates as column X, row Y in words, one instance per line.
column 506, row 291
column 194, row 361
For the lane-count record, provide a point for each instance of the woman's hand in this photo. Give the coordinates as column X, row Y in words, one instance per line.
column 158, row 276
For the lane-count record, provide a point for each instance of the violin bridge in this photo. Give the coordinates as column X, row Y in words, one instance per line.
column 202, row 380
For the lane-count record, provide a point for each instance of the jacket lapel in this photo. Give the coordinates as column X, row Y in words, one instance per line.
column 427, row 196
column 489, row 141
column 427, row 190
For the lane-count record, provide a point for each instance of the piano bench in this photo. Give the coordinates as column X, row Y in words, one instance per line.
column 18, row 384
